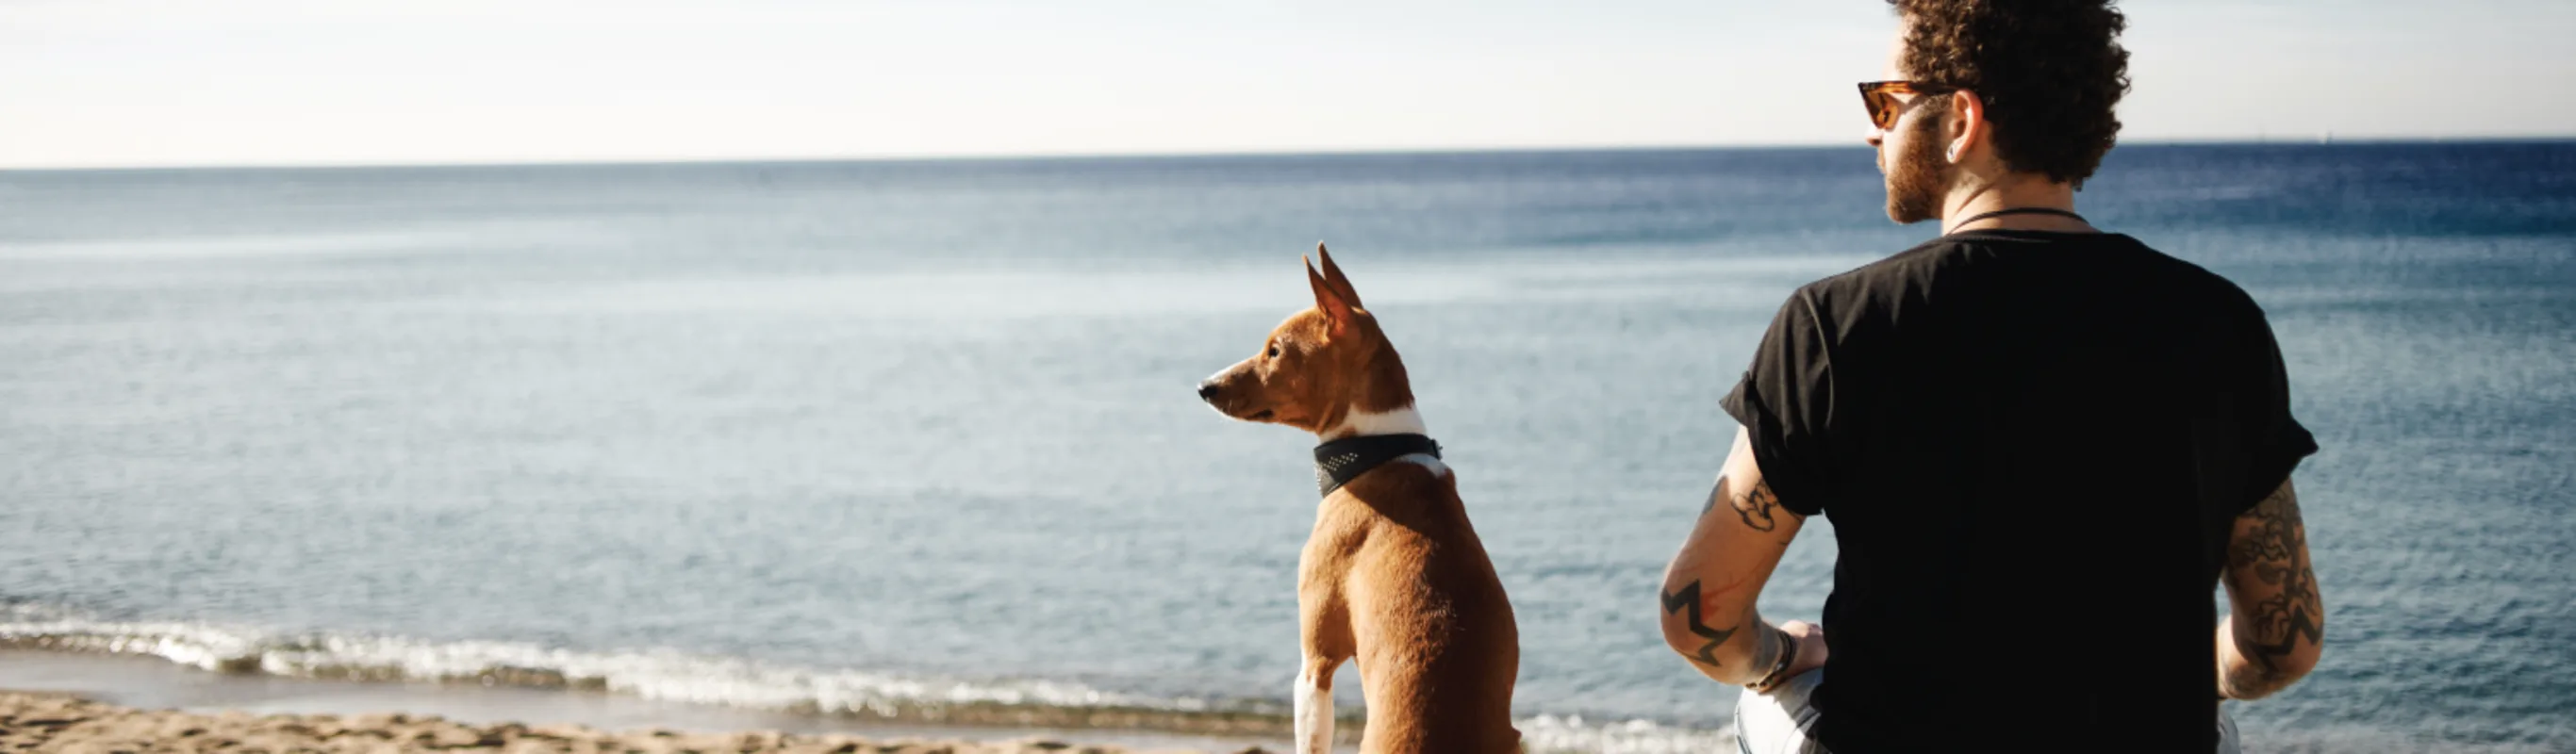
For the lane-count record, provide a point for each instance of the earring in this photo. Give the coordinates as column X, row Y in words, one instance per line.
column 1954, row 154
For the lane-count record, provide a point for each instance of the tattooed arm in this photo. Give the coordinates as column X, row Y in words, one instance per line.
column 2277, row 621
column 1708, row 592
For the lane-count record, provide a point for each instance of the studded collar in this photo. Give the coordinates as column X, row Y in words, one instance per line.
column 1340, row 461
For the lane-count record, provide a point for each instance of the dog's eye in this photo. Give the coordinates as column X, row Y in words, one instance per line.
column 1274, row 350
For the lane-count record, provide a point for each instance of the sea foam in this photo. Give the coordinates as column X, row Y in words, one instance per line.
column 671, row 675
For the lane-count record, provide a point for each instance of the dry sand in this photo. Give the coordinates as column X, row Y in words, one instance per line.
column 50, row 722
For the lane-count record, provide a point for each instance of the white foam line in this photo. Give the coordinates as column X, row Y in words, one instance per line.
column 655, row 674
column 680, row 677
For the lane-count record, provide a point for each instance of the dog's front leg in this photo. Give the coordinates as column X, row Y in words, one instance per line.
column 1314, row 701
column 1325, row 636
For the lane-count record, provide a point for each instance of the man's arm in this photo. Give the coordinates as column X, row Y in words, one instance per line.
column 2277, row 621
column 1709, row 588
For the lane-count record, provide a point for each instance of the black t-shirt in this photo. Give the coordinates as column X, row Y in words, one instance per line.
column 2032, row 447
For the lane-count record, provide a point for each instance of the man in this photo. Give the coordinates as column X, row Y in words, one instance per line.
column 2039, row 444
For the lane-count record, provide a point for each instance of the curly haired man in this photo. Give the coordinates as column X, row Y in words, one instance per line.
column 2039, row 444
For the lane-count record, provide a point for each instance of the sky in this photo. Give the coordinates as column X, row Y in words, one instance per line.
column 128, row 83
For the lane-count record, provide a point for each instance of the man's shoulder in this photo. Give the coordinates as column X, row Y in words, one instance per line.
column 1919, row 260
column 1918, row 271
column 1873, row 286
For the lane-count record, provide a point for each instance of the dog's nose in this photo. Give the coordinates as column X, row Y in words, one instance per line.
column 1207, row 390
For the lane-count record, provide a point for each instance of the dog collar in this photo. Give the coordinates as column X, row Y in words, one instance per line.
column 1340, row 461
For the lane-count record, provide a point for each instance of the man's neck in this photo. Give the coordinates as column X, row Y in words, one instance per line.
column 2014, row 191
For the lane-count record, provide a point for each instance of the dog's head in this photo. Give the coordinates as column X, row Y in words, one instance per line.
column 1316, row 367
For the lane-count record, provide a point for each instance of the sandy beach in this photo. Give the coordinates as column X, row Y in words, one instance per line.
column 48, row 721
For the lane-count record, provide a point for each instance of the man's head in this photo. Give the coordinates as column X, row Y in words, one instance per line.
column 2001, row 92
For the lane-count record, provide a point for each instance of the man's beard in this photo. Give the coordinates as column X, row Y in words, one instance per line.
column 1919, row 178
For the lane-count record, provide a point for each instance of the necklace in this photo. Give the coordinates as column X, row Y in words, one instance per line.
column 2022, row 211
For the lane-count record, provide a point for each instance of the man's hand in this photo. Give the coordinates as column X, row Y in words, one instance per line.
column 1811, row 647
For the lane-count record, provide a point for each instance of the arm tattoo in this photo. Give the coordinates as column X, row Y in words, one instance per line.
column 1757, row 506
column 2275, row 553
column 1687, row 597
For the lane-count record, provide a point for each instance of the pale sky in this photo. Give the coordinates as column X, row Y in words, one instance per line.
column 278, row 82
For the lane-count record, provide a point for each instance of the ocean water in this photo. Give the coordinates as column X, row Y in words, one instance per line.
column 918, row 441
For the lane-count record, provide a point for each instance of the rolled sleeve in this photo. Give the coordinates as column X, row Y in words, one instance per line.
column 2275, row 440
column 1786, row 404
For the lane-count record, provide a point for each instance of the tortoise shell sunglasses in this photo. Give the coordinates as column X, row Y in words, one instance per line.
column 1884, row 109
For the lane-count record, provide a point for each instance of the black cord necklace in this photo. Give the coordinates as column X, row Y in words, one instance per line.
column 2022, row 211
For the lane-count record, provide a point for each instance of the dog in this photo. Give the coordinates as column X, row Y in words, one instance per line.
column 1392, row 575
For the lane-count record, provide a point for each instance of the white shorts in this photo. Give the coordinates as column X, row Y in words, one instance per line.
column 1781, row 722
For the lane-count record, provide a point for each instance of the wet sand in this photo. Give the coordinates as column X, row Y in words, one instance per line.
column 57, row 722
column 94, row 703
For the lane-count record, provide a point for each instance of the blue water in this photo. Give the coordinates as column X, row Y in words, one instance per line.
column 833, row 435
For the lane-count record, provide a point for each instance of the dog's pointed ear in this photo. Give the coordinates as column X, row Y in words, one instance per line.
column 1328, row 299
column 1341, row 283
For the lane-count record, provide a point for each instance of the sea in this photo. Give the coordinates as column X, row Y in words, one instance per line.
column 917, row 441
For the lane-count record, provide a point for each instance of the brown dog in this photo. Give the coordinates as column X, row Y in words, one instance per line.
column 1393, row 574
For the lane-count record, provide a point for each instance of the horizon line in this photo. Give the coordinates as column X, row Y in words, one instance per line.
column 2325, row 140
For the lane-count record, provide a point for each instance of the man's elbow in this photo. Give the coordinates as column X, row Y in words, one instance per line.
column 1677, row 636
column 1690, row 633
column 2264, row 671
column 2271, row 677
column 2257, row 683
column 2296, row 664
column 1707, row 654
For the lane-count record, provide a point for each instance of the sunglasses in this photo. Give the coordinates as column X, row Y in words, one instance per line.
column 1884, row 109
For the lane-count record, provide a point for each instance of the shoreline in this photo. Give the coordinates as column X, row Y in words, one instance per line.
column 57, row 721
column 202, row 667
column 199, row 669
column 149, row 700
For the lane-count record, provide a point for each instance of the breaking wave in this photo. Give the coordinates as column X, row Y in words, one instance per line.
column 683, row 677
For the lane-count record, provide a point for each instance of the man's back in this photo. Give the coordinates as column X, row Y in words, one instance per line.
column 2035, row 442
column 2032, row 446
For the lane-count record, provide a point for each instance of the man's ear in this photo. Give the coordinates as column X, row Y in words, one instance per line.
column 1965, row 125
column 1341, row 283
column 1328, row 299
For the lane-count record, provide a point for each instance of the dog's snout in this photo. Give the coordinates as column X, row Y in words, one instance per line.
column 1207, row 390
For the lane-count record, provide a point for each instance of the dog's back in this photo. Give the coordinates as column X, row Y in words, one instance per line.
column 1434, row 636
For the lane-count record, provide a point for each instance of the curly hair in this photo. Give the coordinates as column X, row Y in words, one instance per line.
column 2049, row 72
